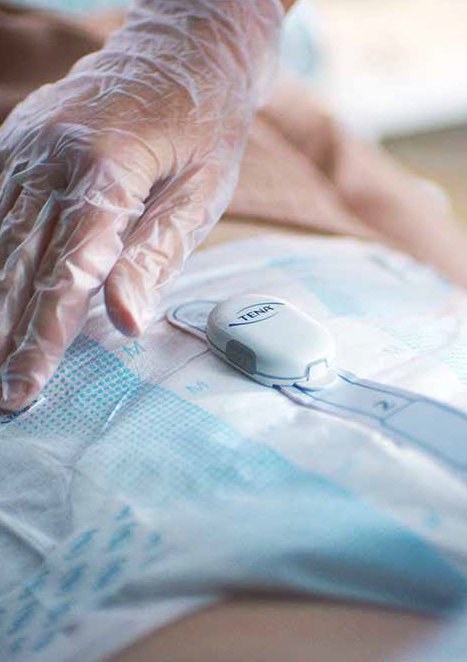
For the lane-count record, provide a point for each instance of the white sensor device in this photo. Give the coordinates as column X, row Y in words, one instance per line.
column 276, row 344
column 272, row 341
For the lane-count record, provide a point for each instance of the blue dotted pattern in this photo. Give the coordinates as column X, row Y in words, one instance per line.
column 142, row 440
column 456, row 358
column 428, row 336
column 145, row 443
column 349, row 288
column 344, row 292
column 420, row 334
column 89, row 385
column 160, row 448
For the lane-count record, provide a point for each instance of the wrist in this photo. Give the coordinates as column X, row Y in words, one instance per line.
column 237, row 41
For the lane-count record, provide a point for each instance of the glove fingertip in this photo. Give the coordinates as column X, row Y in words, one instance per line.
column 130, row 318
column 17, row 393
column 124, row 321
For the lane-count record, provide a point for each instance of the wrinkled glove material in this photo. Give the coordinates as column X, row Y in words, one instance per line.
column 111, row 176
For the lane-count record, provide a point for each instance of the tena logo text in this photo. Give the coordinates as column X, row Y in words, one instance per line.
column 256, row 312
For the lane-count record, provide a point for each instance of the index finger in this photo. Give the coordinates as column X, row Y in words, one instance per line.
column 83, row 249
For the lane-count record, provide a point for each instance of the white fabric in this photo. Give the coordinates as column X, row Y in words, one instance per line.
column 151, row 475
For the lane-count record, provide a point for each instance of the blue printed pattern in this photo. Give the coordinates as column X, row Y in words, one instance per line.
column 380, row 301
column 431, row 336
column 290, row 539
column 350, row 287
column 143, row 440
column 89, row 385
column 155, row 448
column 160, row 448
column 92, row 565
column 145, row 445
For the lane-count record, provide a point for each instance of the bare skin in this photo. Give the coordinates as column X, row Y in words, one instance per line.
column 278, row 630
column 274, row 630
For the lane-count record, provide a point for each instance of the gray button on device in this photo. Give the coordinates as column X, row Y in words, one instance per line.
column 241, row 356
column 272, row 341
column 278, row 345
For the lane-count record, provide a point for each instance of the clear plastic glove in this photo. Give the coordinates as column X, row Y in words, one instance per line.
column 112, row 176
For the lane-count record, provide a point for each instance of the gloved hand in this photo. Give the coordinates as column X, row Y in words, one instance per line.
column 111, row 176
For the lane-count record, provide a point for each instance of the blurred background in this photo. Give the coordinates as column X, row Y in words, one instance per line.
column 394, row 70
